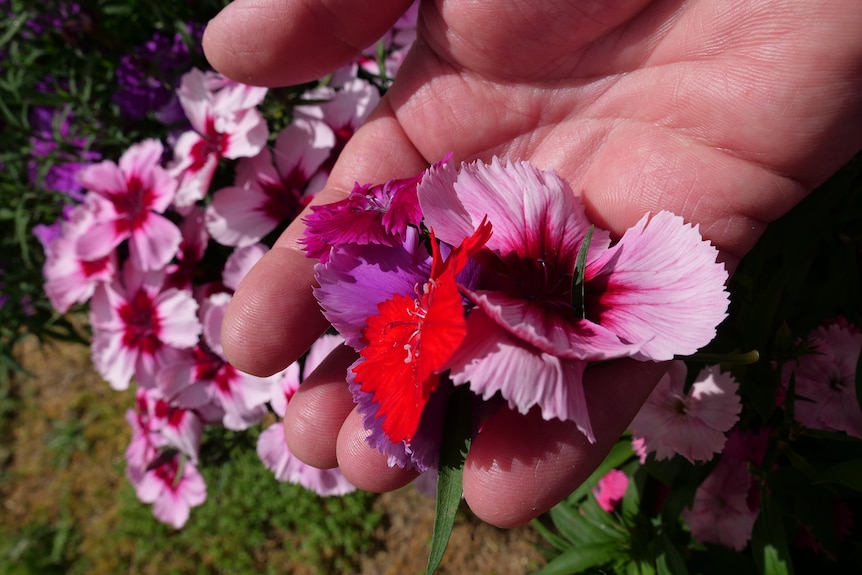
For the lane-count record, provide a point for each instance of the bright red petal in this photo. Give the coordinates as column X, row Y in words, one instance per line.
column 409, row 341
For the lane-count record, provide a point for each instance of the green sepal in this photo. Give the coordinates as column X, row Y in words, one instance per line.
column 453, row 451
column 578, row 274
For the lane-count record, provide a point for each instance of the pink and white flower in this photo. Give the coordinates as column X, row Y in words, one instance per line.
column 138, row 327
column 225, row 124
column 656, row 293
column 266, row 195
column 272, row 446
column 202, row 377
column 173, row 487
column 70, row 279
column 690, row 424
column 127, row 202
column 724, row 508
column 826, row 379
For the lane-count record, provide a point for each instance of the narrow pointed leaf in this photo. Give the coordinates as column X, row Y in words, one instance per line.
column 453, row 451
column 578, row 274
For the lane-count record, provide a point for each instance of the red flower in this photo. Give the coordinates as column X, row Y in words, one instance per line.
column 410, row 341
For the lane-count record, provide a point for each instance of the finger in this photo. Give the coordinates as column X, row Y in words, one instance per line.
column 362, row 464
column 273, row 316
column 318, row 409
column 285, row 42
column 520, row 466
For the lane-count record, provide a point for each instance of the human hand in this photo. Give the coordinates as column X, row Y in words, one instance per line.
column 725, row 113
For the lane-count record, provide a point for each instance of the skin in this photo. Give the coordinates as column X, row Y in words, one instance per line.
column 727, row 112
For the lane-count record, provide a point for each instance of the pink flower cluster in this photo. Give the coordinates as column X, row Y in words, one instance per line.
column 511, row 291
column 133, row 249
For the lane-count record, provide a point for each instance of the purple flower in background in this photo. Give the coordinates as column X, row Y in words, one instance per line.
column 148, row 73
column 51, row 127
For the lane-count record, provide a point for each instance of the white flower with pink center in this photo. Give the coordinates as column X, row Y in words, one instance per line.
column 128, row 200
column 69, row 279
column 655, row 293
column 266, row 194
column 225, row 124
column 271, row 445
column 725, row 506
column 826, row 379
column 690, row 424
column 344, row 111
column 173, row 487
column 202, row 376
column 138, row 327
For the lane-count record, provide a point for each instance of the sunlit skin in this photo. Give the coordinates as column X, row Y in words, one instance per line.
column 726, row 112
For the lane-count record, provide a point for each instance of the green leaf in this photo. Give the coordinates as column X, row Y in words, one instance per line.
column 848, row 473
column 769, row 540
column 453, row 450
column 580, row 559
column 578, row 274
column 669, row 561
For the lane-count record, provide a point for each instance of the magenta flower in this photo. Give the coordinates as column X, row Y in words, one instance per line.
column 690, row 424
column 826, row 379
column 226, row 125
column 266, row 195
column 723, row 510
column 611, row 489
column 369, row 215
column 128, row 200
column 173, row 487
column 656, row 293
column 138, row 327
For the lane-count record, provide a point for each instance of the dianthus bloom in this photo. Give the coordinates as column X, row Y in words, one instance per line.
column 690, row 424
column 724, row 509
column 611, row 489
column 533, row 294
column 826, row 380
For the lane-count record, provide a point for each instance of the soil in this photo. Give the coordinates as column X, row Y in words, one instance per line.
column 51, row 482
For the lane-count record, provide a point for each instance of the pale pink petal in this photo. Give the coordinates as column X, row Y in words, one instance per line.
column 177, row 313
column 240, row 262
column 318, row 351
column 105, row 178
column 236, row 218
column 195, row 98
column 247, row 135
column 154, row 243
column 183, row 431
column 114, row 361
column 492, row 361
column 273, row 452
column 100, row 240
column 555, row 334
column 716, row 401
column 286, row 384
column 659, row 276
column 195, row 182
column 235, row 97
column 303, row 146
column 212, row 313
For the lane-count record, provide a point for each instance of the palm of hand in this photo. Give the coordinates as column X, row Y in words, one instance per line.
column 723, row 112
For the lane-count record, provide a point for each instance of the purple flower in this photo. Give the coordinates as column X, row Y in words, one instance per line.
column 146, row 75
